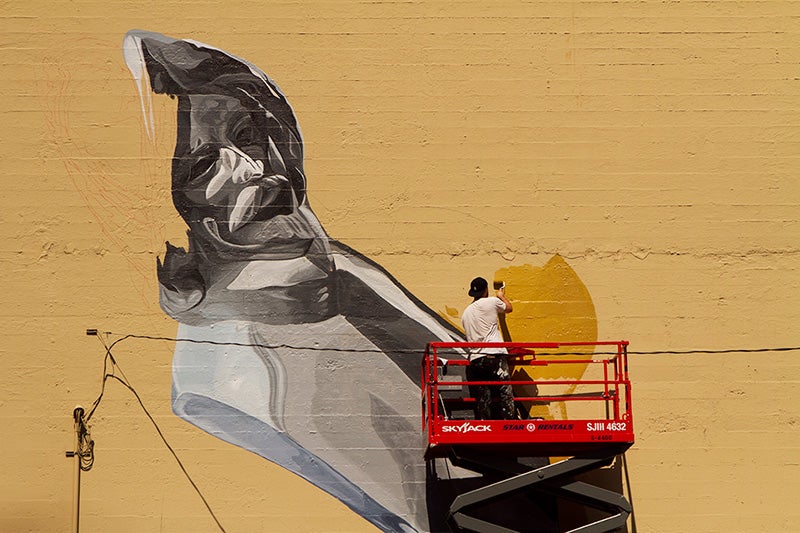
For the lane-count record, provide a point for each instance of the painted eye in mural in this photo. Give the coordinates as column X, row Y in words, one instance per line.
column 246, row 136
column 201, row 167
column 198, row 168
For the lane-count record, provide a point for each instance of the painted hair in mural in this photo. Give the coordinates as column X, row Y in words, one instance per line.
column 318, row 366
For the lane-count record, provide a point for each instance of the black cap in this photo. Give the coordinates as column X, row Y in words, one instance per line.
column 477, row 287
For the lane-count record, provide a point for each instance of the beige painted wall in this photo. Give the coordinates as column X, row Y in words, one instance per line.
column 653, row 145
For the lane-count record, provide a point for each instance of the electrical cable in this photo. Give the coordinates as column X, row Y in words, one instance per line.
column 723, row 351
column 85, row 444
column 422, row 351
column 266, row 346
column 124, row 381
column 108, row 356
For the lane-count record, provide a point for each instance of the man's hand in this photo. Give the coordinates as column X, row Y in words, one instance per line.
column 502, row 296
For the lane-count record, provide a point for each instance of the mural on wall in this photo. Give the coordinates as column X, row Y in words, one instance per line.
column 322, row 381
column 308, row 352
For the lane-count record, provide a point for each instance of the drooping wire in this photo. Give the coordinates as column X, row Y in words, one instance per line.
column 108, row 357
column 123, row 379
column 266, row 346
column 85, row 442
column 421, row 351
column 723, row 351
column 85, row 445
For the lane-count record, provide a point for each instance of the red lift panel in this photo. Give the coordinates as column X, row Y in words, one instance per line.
column 603, row 384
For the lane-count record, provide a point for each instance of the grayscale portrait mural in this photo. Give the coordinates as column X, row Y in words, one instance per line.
column 313, row 359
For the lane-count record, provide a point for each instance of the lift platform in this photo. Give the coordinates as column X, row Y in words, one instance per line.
column 574, row 404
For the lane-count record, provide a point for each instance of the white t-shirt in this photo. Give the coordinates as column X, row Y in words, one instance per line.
column 480, row 323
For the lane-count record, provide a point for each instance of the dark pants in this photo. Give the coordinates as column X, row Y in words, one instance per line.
column 494, row 402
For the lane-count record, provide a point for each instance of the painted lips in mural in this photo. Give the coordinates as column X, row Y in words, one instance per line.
column 316, row 361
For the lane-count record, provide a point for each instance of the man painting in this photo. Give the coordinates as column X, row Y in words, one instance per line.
column 480, row 321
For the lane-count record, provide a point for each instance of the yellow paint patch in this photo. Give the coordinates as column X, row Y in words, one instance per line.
column 551, row 304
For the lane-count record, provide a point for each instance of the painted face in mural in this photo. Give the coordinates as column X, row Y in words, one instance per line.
column 238, row 182
column 237, row 174
column 231, row 182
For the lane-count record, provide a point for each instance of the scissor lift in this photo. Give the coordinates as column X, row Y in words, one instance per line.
column 502, row 449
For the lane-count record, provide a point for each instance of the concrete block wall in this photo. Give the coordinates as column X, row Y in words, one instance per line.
column 651, row 145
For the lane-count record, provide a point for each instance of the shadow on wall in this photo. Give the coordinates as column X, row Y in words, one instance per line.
column 573, row 515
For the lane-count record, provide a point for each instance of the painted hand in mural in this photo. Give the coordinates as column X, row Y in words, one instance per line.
column 319, row 364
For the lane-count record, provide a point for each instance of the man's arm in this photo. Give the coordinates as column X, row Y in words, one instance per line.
column 502, row 296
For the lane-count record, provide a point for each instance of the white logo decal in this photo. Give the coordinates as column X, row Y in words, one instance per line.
column 466, row 427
